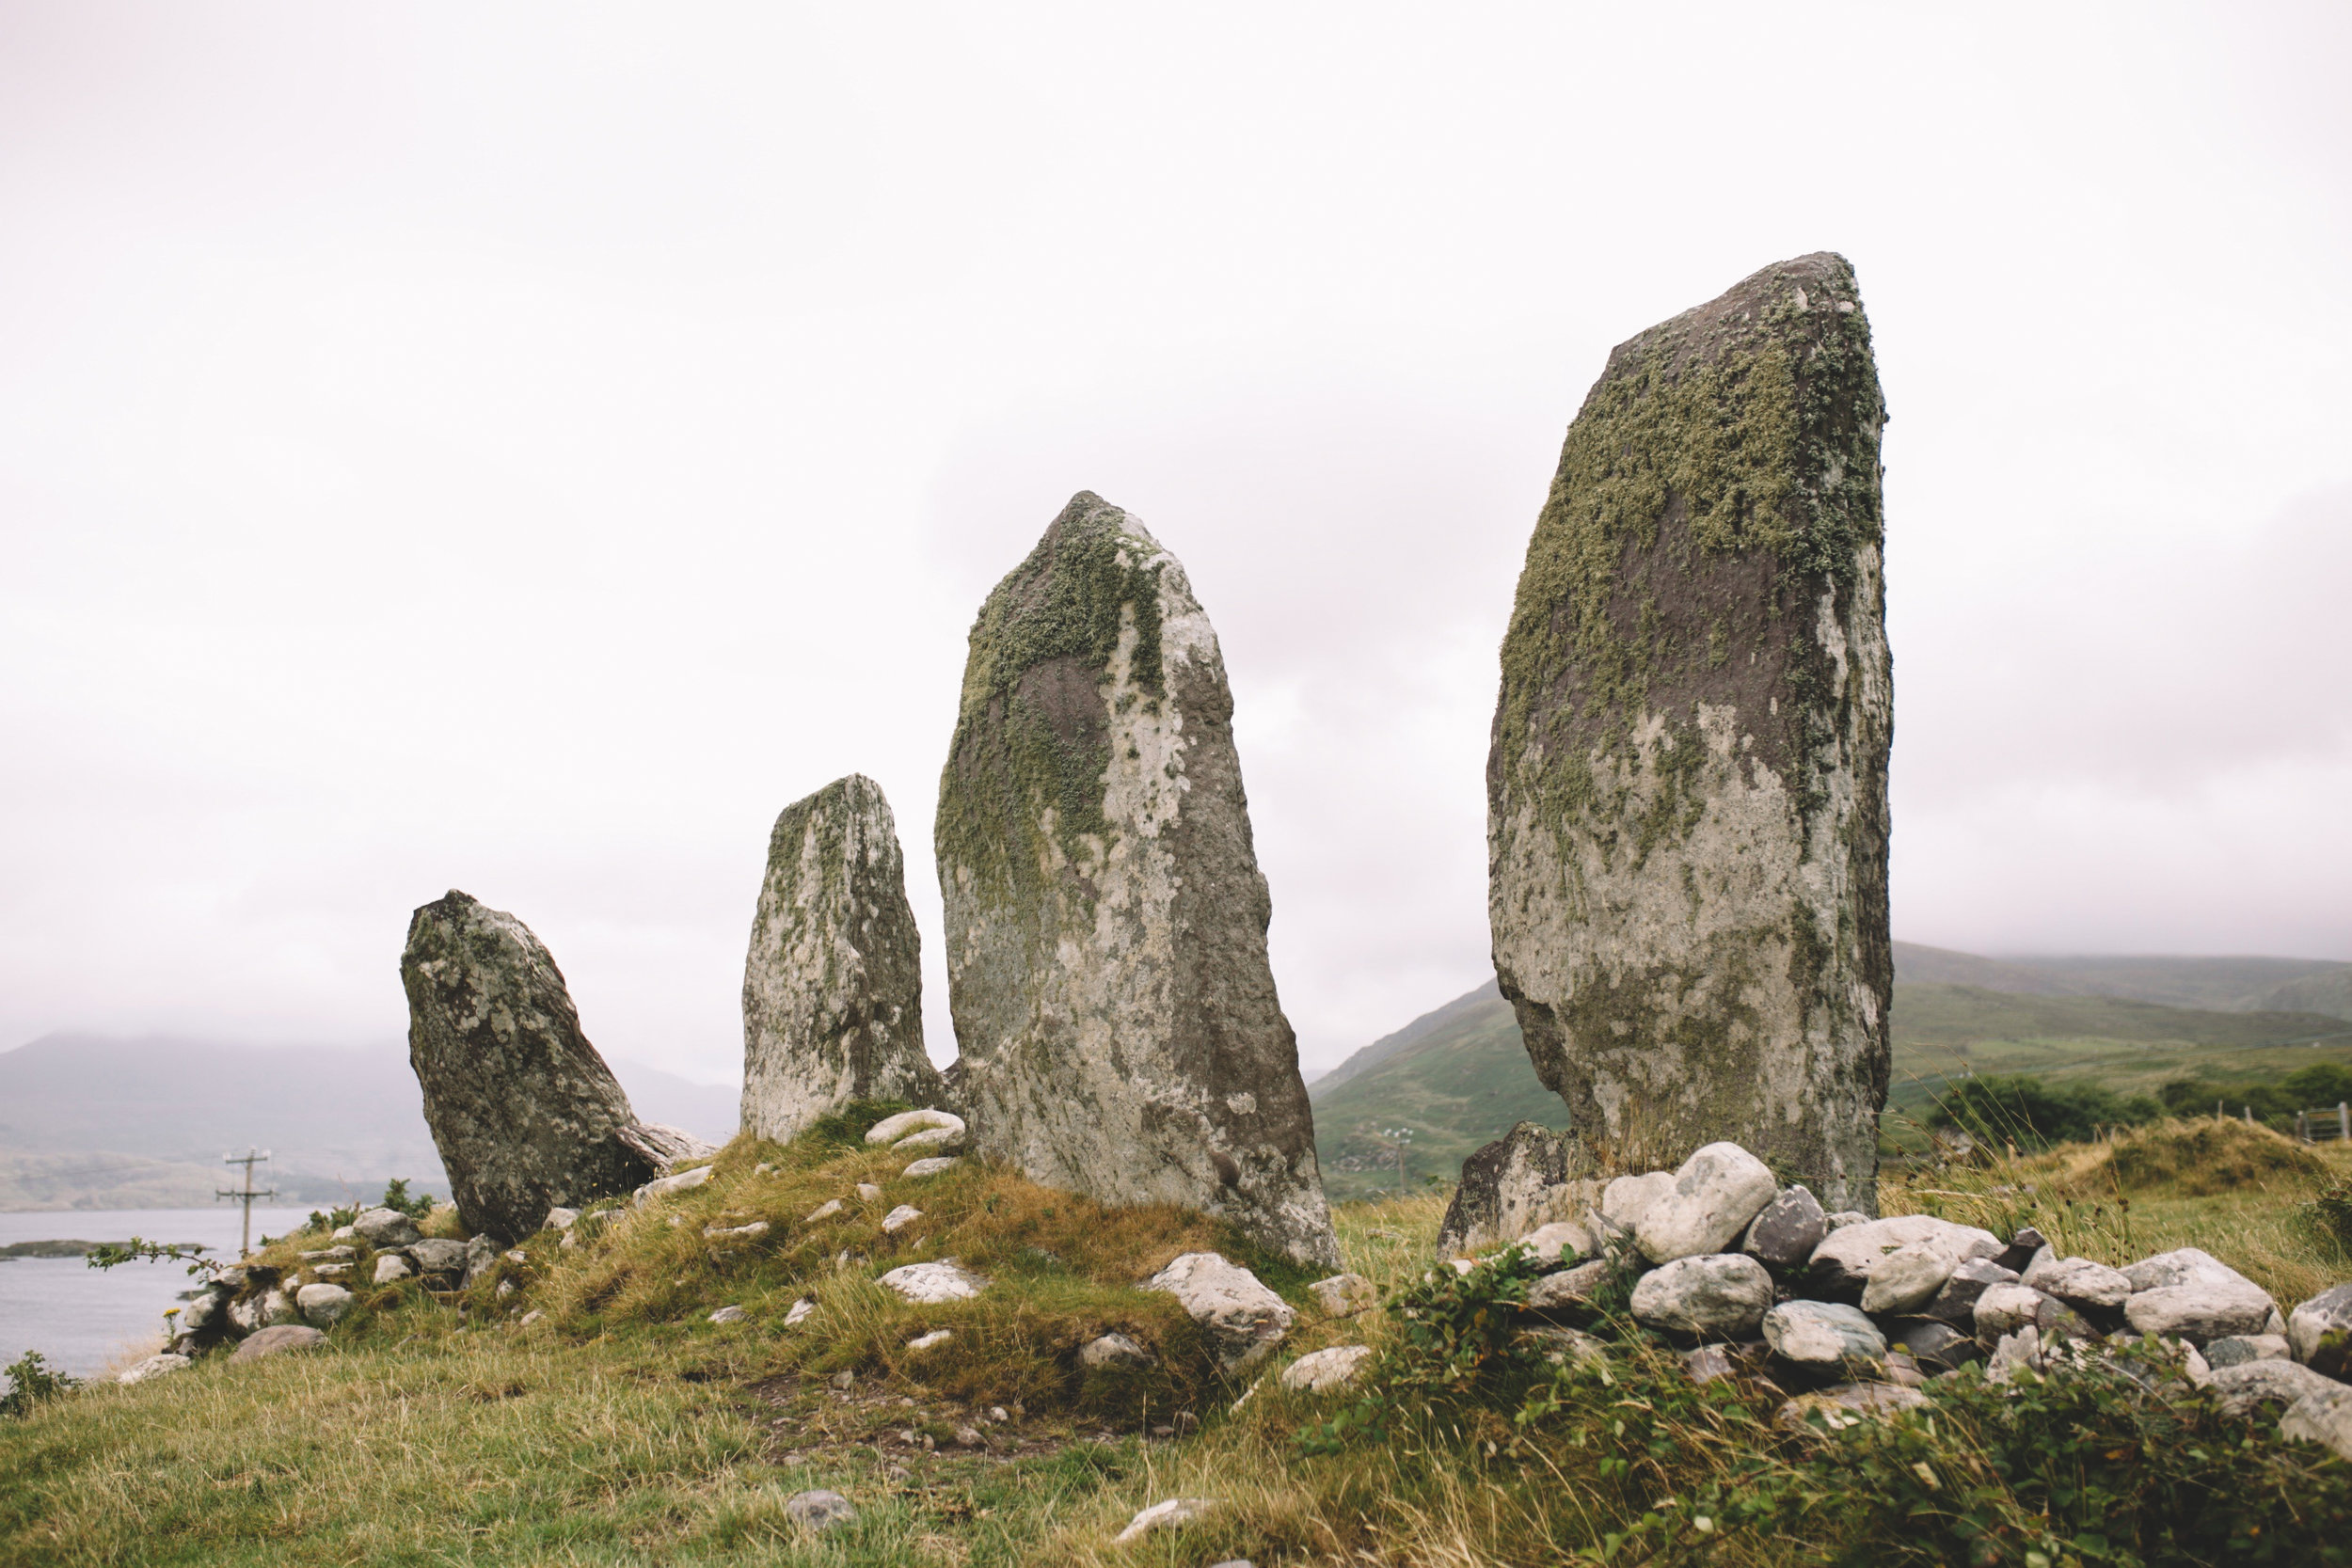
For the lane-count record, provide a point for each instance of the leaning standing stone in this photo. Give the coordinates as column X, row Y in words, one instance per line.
column 525, row 1113
column 832, row 991
column 1687, row 812
column 1105, row 916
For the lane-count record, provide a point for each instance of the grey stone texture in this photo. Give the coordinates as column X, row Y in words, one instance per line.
column 1717, row 1190
column 1686, row 816
column 1822, row 1335
column 2320, row 1332
column 1520, row 1182
column 525, row 1113
column 1105, row 916
column 1786, row 1233
column 1243, row 1319
column 833, row 986
column 1714, row 1296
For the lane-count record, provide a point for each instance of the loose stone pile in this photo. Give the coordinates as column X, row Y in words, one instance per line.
column 1858, row 1314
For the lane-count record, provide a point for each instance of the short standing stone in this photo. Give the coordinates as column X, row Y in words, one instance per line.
column 2320, row 1332
column 154, row 1366
column 2201, row 1312
column 1243, row 1317
column 1715, row 1297
column 1785, row 1234
column 323, row 1305
column 1343, row 1292
column 1687, row 813
column 1105, row 916
column 526, row 1115
column 832, row 987
column 1522, row 1179
column 927, row 1284
column 1323, row 1370
column 1165, row 1515
column 1718, row 1190
column 285, row 1337
column 1907, row 1279
column 1114, row 1353
column 1822, row 1335
column 819, row 1510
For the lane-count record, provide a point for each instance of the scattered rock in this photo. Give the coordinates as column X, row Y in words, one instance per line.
column 1652, row 835
column 2081, row 1283
column 323, row 1305
column 1848, row 1404
column 900, row 1217
column 751, row 1232
column 560, row 1218
column 1243, row 1317
column 1717, row 1190
column 1570, row 1288
column 1509, row 1187
column 331, row 1270
column 336, row 1253
column 832, row 986
column 1784, row 1235
column 285, row 1337
column 2323, row 1416
column 391, row 1266
column 932, row 1166
column 932, row 1340
column 526, row 1115
column 1843, row 1262
column 2320, row 1332
column 2251, row 1387
column 824, row 1210
column 670, row 1186
column 1343, row 1292
column 380, row 1228
column 927, row 1284
column 1105, row 916
column 2210, row 1309
column 1114, row 1353
column 1956, row 1303
column 2236, row 1350
column 154, row 1366
column 1163, row 1515
column 531, row 1317
column 1907, row 1279
column 802, row 1310
column 730, row 1315
column 1713, row 1296
column 895, row 1129
column 1822, row 1335
column 1323, row 1370
column 819, row 1510
column 868, row 1193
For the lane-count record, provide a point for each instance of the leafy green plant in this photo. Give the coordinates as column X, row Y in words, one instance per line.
column 31, row 1382
column 108, row 1255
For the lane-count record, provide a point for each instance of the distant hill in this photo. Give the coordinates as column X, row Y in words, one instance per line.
column 91, row 1122
column 1460, row 1077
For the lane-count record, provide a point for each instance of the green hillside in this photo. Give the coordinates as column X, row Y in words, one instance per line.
column 1459, row 1077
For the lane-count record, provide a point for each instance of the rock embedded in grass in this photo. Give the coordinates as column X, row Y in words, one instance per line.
column 1716, row 1193
column 1571, row 1289
column 384, row 1227
column 1114, row 1353
column 1710, row 1296
column 929, row 1284
column 1105, row 916
column 1165, row 1515
column 671, row 1186
column 932, row 1340
column 936, row 1166
column 1244, row 1320
column 832, row 982
column 818, row 1510
column 824, row 1210
column 1822, row 1335
column 1320, row 1371
column 900, row 1217
column 802, row 1310
column 730, row 1315
column 894, row 1130
column 273, row 1341
column 1782, row 1237
column 1343, row 1292
column 154, row 1366
column 439, row 1255
column 391, row 1267
column 751, row 1232
column 2319, row 1332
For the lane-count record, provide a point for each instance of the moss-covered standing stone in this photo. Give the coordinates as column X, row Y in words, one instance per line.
column 1105, row 916
column 832, row 987
column 525, row 1113
column 1687, row 820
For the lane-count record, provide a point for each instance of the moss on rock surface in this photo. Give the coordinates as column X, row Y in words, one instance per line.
column 832, row 986
column 1105, row 916
column 1687, row 790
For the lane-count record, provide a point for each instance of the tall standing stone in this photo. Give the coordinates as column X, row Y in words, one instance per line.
column 1687, row 815
column 832, row 990
column 1106, row 920
column 523, row 1110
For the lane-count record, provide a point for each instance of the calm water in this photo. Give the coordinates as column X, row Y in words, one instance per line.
column 80, row 1318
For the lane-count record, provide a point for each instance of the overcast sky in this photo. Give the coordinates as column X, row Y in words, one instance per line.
column 523, row 448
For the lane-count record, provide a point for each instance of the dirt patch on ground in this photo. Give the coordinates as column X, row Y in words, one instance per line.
column 808, row 1417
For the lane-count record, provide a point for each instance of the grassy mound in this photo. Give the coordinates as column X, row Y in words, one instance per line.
column 2210, row 1155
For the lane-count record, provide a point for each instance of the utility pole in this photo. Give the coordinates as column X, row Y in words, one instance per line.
column 245, row 1193
column 1401, row 1139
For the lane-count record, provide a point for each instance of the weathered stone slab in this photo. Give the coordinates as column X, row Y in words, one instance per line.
column 1244, row 1319
column 1105, row 917
column 1522, row 1181
column 525, row 1113
column 1686, row 787
column 832, row 987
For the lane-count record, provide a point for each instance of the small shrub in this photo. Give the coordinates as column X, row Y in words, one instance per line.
column 32, row 1380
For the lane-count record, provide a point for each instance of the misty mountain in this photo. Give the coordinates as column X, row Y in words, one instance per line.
column 87, row 1121
column 2230, row 985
